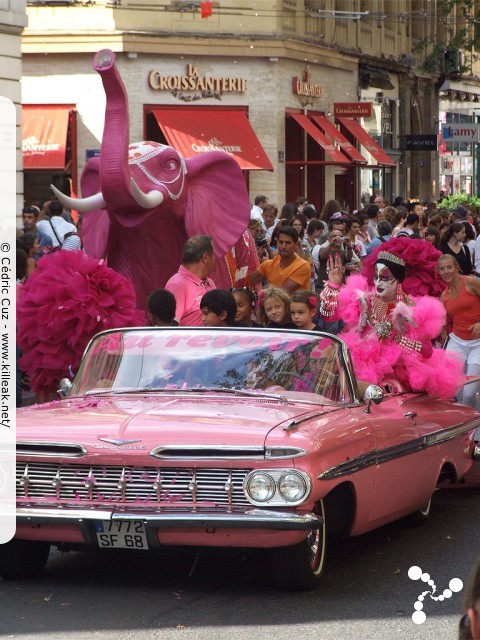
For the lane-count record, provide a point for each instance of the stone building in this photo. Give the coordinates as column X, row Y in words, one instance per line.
column 12, row 20
column 313, row 97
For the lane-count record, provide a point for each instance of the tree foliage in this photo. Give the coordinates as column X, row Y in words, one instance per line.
column 461, row 34
column 453, row 201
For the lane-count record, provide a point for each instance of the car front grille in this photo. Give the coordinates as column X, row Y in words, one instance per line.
column 173, row 489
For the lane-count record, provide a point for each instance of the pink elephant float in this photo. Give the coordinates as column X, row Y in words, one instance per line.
column 141, row 201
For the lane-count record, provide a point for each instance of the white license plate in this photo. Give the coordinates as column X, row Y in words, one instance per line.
column 121, row 534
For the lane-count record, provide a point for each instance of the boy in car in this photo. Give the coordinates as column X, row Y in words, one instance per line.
column 218, row 308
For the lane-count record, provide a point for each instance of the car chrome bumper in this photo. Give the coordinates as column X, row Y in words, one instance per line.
column 250, row 519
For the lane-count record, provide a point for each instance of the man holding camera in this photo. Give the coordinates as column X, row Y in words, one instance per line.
column 263, row 250
column 337, row 244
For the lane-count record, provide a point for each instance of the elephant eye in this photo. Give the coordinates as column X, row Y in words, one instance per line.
column 172, row 165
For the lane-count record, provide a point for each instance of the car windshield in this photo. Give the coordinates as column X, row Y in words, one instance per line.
column 294, row 365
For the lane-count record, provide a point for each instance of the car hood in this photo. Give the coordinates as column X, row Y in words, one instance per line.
column 153, row 421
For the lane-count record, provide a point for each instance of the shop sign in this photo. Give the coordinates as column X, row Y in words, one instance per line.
column 92, row 153
column 214, row 144
column 387, row 125
column 303, row 87
column 460, row 132
column 33, row 145
column 191, row 81
column 352, row 109
column 421, row 143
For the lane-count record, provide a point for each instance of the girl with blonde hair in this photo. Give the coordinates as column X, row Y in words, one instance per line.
column 274, row 308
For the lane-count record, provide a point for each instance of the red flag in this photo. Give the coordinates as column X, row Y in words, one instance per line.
column 206, row 8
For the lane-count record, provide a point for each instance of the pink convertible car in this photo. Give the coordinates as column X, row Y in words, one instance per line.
column 202, row 437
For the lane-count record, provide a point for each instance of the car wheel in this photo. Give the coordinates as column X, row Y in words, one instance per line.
column 22, row 559
column 300, row 566
column 419, row 517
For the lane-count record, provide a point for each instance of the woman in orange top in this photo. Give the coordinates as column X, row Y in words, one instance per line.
column 462, row 302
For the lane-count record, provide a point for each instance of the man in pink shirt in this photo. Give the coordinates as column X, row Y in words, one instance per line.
column 191, row 281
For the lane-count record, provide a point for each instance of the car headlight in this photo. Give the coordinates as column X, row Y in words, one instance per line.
column 277, row 487
column 261, row 487
column 292, row 487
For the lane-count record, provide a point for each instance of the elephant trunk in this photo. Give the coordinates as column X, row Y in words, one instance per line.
column 115, row 173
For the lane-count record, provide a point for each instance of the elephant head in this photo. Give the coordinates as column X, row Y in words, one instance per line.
column 141, row 201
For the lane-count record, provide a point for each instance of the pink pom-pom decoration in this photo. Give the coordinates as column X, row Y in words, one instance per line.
column 67, row 300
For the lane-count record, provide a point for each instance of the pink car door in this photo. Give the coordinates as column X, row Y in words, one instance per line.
column 401, row 478
column 444, row 428
column 415, row 435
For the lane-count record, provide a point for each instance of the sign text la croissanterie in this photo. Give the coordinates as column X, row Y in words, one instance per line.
column 301, row 88
column 193, row 82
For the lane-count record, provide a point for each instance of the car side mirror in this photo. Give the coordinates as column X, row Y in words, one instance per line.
column 476, row 439
column 64, row 387
column 373, row 393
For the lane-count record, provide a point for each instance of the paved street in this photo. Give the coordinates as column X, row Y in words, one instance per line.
column 366, row 591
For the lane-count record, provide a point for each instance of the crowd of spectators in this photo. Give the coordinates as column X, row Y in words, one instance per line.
column 295, row 244
column 334, row 235
column 294, row 250
column 354, row 235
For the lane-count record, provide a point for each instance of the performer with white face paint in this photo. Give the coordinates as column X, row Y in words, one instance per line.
column 390, row 333
column 385, row 282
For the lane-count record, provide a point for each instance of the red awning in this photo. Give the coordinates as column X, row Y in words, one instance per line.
column 367, row 141
column 44, row 136
column 345, row 145
column 322, row 140
column 194, row 131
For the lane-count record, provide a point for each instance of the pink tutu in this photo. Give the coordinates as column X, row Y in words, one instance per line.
column 67, row 300
column 441, row 375
column 376, row 361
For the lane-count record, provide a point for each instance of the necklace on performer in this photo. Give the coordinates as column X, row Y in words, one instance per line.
column 380, row 309
column 380, row 312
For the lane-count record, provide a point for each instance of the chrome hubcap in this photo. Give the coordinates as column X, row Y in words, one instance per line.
column 314, row 546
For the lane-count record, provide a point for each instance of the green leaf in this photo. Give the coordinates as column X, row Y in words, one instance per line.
column 453, row 201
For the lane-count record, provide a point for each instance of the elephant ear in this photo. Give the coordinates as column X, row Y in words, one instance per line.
column 217, row 201
column 95, row 224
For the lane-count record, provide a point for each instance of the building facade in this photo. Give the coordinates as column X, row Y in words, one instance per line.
column 13, row 19
column 459, row 118
column 293, row 82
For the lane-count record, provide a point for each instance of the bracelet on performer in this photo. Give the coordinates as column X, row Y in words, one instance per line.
column 329, row 300
column 408, row 344
column 332, row 285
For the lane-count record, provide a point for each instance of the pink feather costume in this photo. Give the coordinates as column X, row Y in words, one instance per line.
column 393, row 340
column 376, row 359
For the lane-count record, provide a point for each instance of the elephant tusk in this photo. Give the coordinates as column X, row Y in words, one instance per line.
column 146, row 200
column 80, row 204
